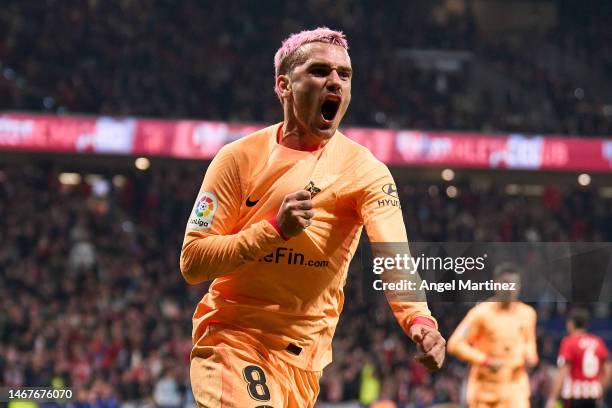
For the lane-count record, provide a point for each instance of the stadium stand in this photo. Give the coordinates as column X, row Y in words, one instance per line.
column 423, row 66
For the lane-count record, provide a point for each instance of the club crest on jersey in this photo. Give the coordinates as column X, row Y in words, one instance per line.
column 312, row 188
column 203, row 212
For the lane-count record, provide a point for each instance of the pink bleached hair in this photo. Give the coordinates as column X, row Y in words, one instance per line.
column 286, row 58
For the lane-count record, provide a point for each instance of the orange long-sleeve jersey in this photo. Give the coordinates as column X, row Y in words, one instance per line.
column 287, row 294
column 491, row 331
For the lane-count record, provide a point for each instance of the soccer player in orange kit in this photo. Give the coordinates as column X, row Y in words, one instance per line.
column 498, row 338
column 275, row 225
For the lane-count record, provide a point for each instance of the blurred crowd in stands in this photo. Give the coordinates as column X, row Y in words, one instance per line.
column 193, row 59
column 91, row 296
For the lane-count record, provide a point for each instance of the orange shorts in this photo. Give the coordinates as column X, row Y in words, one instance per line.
column 510, row 394
column 519, row 403
column 517, row 400
column 231, row 369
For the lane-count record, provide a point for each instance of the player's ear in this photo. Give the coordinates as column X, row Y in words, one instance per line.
column 283, row 83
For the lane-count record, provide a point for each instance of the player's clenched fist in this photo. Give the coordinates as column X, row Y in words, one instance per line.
column 295, row 213
column 430, row 344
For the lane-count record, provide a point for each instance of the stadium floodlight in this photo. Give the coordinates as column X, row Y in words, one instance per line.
column 69, row 179
column 584, row 179
column 448, row 175
column 142, row 163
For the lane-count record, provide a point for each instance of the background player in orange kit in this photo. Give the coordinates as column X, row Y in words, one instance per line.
column 275, row 225
column 584, row 370
column 498, row 339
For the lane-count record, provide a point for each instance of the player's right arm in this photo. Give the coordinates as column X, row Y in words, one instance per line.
column 212, row 247
column 460, row 343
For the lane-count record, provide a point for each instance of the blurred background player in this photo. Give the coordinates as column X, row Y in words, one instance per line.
column 583, row 366
column 498, row 339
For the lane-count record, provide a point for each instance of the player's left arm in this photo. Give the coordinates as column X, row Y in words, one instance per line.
column 606, row 376
column 606, row 373
column 563, row 363
column 562, row 372
column 380, row 211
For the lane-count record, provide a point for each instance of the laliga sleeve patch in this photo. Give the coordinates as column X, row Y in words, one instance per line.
column 203, row 212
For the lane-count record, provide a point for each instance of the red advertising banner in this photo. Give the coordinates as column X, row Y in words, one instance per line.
column 192, row 139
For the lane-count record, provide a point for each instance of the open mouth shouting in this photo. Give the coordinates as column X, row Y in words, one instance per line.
column 329, row 108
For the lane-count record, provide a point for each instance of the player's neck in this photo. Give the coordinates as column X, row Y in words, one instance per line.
column 502, row 304
column 292, row 136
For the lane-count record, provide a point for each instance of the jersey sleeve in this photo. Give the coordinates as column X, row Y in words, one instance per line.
column 460, row 343
column 211, row 246
column 379, row 209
